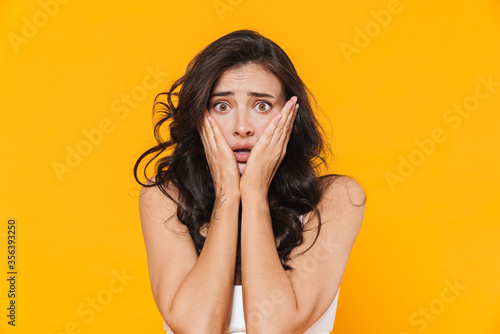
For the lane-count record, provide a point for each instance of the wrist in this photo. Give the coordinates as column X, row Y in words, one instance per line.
column 252, row 191
column 228, row 187
column 249, row 185
column 227, row 181
column 228, row 192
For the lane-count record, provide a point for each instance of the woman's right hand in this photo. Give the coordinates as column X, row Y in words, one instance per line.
column 220, row 157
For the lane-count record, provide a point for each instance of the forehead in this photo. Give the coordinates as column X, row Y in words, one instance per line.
column 249, row 77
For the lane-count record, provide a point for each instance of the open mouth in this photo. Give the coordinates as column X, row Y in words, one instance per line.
column 242, row 155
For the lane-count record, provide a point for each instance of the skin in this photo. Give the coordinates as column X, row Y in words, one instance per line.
column 194, row 293
column 237, row 117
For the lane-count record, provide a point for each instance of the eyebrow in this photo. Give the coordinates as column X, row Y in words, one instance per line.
column 256, row 94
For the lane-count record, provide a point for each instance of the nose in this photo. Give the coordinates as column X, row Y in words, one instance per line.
column 243, row 126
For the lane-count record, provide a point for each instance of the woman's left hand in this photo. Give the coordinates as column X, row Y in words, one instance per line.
column 268, row 153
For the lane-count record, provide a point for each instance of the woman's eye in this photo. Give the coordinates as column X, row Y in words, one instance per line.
column 221, row 106
column 264, row 106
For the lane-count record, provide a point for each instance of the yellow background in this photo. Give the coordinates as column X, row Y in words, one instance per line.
column 437, row 224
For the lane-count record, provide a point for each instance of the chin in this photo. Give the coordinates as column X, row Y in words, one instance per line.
column 241, row 167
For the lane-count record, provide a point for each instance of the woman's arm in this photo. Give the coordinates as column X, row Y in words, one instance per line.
column 264, row 281
column 192, row 294
column 277, row 301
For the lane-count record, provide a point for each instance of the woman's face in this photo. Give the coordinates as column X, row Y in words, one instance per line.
column 243, row 102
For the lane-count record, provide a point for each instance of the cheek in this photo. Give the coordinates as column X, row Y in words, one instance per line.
column 261, row 123
column 223, row 126
column 260, row 128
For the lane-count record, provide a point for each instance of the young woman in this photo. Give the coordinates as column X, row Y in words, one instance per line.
column 242, row 234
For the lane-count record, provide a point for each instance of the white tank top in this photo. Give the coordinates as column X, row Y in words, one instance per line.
column 324, row 325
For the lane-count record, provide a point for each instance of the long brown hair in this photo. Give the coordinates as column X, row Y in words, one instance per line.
column 295, row 189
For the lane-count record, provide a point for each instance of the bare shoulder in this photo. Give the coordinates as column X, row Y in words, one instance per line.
column 343, row 192
column 154, row 202
column 158, row 211
column 151, row 193
column 341, row 208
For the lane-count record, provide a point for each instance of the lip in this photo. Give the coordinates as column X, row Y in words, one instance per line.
column 242, row 156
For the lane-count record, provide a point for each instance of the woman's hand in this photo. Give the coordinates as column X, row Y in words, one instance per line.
column 220, row 157
column 268, row 153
